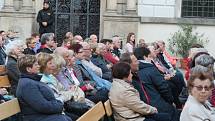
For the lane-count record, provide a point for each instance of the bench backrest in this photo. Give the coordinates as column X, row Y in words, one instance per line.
column 9, row 108
column 108, row 108
column 94, row 114
column 2, row 70
column 4, row 81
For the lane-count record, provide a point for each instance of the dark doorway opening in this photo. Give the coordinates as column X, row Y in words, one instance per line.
column 81, row 17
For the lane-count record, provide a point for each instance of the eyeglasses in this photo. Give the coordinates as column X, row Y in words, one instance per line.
column 200, row 88
column 87, row 49
column 80, row 52
column 33, row 42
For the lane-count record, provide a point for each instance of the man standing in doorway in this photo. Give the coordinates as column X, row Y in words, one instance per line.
column 45, row 18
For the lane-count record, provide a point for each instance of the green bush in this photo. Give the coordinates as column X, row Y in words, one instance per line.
column 182, row 40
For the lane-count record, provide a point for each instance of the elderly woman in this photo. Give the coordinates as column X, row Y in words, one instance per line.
column 37, row 100
column 14, row 51
column 207, row 61
column 200, row 85
column 48, row 68
column 126, row 101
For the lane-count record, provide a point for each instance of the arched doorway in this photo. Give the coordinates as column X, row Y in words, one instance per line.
column 78, row 16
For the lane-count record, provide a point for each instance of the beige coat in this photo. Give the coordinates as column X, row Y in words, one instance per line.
column 126, row 102
column 195, row 111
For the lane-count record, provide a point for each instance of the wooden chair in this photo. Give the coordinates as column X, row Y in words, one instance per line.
column 108, row 108
column 94, row 114
column 109, row 111
column 4, row 81
column 9, row 108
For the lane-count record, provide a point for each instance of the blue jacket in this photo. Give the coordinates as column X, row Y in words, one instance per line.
column 99, row 61
column 37, row 100
column 157, row 88
column 101, row 83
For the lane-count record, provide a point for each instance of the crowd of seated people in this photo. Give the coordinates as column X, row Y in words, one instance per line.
column 142, row 82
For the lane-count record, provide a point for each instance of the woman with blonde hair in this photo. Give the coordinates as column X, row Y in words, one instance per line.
column 36, row 99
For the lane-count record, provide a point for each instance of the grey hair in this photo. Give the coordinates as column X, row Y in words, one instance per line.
column 60, row 51
column 204, row 60
column 58, row 61
column 14, row 44
column 100, row 45
column 84, row 44
column 46, row 37
column 71, row 52
column 115, row 39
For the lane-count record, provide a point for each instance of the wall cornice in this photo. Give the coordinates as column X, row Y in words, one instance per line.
column 17, row 14
column 193, row 21
column 121, row 18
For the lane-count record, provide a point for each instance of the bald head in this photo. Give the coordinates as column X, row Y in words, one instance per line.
column 93, row 38
column 78, row 38
column 86, row 50
column 60, row 51
column 69, row 35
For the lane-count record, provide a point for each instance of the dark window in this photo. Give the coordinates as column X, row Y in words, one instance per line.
column 78, row 16
column 198, row 9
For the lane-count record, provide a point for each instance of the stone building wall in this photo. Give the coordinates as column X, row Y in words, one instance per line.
column 118, row 17
column 18, row 16
column 149, row 19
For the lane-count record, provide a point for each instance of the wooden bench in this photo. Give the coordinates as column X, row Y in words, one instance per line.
column 109, row 111
column 9, row 108
column 94, row 114
column 4, row 80
column 2, row 70
column 108, row 108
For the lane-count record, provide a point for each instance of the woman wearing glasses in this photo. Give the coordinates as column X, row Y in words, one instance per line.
column 200, row 85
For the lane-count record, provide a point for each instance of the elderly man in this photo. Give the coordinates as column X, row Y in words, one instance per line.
column 87, row 62
column 47, row 43
column 160, row 95
column 109, row 47
column 93, row 38
column 116, row 46
column 78, row 39
column 99, row 60
column 91, row 78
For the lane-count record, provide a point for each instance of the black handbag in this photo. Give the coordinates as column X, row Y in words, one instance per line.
column 75, row 107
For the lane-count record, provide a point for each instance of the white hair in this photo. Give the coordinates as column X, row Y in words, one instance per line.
column 14, row 44
column 100, row 45
column 60, row 51
column 84, row 44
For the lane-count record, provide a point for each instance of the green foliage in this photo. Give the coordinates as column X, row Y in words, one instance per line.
column 182, row 40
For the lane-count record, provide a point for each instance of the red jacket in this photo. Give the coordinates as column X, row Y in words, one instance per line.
column 109, row 57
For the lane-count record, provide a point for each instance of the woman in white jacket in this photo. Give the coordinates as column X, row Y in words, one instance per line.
column 200, row 85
